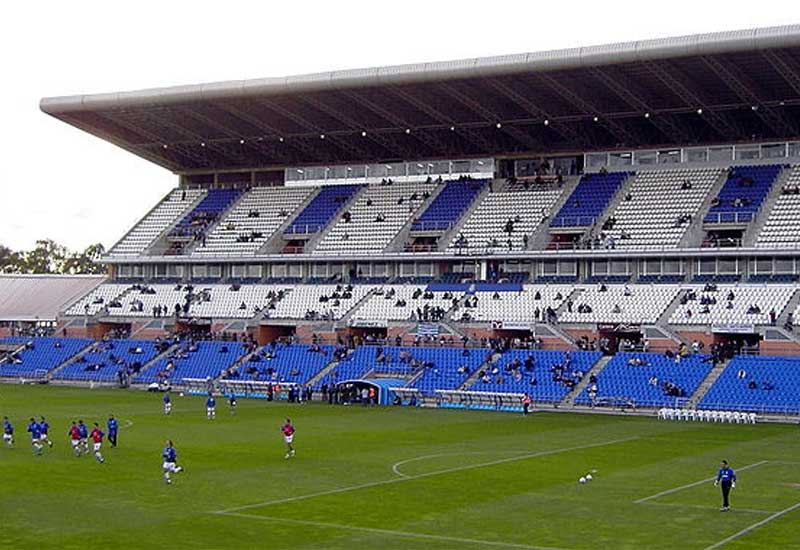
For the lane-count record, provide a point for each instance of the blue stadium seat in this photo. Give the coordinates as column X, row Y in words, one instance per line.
column 209, row 360
column 545, row 389
column 322, row 208
column 105, row 360
column 44, row 354
column 746, row 381
column 449, row 205
column 643, row 384
column 589, row 199
column 286, row 363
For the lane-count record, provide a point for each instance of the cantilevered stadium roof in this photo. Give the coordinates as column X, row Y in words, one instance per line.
column 702, row 89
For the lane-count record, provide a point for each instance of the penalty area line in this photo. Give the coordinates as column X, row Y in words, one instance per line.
column 424, row 475
column 391, row 532
column 753, row 527
column 695, row 483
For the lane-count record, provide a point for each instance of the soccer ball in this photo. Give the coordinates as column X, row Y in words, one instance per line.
column 582, row 481
column 181, row 394
column 589, row 477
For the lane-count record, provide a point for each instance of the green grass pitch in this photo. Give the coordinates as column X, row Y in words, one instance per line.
column 390, row 478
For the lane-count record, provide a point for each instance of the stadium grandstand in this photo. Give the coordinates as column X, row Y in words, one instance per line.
column 600, row 227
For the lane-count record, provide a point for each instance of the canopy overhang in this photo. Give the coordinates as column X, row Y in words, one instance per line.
column 711, row 88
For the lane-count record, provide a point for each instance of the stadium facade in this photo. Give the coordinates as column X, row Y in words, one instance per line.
column 641, row 194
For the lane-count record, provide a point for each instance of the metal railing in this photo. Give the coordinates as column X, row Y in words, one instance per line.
column 729, row 217
column 432, row 225
column 573, row 221
column 303, row 229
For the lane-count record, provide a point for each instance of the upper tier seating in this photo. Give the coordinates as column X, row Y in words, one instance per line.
column 140, row 302
column 449, row 205
column 526, row 306
column 657, row 381
column 520, row 211
column 765, row 297
column 253, row 221
column 242, row 302
column 398, row 303
column 782, row 228
column 97, row 299
column 589, row 199
column 758, row 384
column 743, row 193
column 322, row 208
column 620, row 304
column 209, row 360
column 660, row 208
column 206, row 212
column 296, row 363
column 318, row 302
column 539, row 379
column 358, row 230
column 43, row 354
column 105, row 360
column 156, row 222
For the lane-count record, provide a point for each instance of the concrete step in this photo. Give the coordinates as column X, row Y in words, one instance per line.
column 322, row 373
column 754, row 228
column 705, row 385
column 398, row 242
column 69, row 361
column 445, row 238
column 474, row 376
column 160, row 244
column 569, row 399
column 694, row 235
column 276, row 242
column 540, row 238
column 317, row 237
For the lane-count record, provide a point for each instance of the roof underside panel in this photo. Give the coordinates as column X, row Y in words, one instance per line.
column 705, row 89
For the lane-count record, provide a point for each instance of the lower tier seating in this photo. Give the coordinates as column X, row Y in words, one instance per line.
column 105, row 360
column 38, row 355
column 193, row 360
column 646, row 380
column 281, row 363
column 545, row 375
column 757, row 384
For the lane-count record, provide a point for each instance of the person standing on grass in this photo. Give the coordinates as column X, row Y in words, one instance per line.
column 97, row 442
column 75, row 438
column 84, row 432
column 170, row 464
column 232, row 403
column 288, row 438
column 167, row 403
column 36, row 435
column 726, row 478
column 211, row 407
column 8, row 432
column 113, row 428
column 526, row 403
column 44, row 428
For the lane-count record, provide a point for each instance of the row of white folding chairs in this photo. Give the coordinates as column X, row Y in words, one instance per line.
column 731, row 417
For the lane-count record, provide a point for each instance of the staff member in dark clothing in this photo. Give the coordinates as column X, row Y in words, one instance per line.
column 726, row 477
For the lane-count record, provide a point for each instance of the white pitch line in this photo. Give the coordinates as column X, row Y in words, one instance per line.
column 709, row 508
column 423, row 475
column 753, row 527
column 396, row 465
column 695, row 484
column 407, row 534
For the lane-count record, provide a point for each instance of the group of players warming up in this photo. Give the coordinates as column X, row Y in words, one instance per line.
column 79, row 436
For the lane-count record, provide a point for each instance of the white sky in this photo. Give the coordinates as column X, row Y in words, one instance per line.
column 58, row 182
